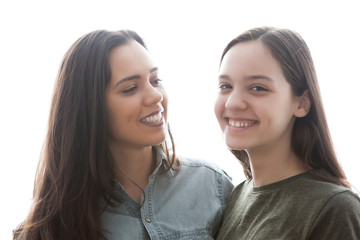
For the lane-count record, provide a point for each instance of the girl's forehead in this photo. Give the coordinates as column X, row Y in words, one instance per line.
column 249, row 58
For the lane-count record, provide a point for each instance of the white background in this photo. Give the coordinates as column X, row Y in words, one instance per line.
column 186, row 39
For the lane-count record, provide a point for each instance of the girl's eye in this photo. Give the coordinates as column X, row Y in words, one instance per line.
column 224, row 86
column 156, row 82
column 129, row 90
column 258, row 88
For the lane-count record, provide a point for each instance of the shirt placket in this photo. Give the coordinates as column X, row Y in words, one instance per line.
column 146, row 212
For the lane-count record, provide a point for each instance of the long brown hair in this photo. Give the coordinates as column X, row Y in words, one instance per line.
column 76, row 169
column 310, row 140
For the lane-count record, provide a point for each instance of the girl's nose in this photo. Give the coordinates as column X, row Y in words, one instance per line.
column 236, row 101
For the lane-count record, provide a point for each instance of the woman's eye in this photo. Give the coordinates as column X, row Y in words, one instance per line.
column 258, row 88
column 156, row 82
column 129, row 90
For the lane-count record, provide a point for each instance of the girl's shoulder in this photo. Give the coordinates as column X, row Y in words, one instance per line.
column 339, row 217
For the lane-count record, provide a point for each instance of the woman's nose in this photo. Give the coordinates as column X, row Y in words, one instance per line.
column 152, row 96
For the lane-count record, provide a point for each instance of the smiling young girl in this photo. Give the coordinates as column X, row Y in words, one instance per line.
column 107, row 171
column 270, row 111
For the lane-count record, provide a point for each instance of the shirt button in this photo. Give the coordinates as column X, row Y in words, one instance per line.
column 148, row 220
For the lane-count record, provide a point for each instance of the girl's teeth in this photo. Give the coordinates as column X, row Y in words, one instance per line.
column 239, row 124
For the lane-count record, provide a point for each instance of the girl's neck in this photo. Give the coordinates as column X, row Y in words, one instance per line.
column 272, row 166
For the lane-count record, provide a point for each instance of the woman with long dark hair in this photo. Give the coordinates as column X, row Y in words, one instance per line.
column 270, row 110
column 108, row 168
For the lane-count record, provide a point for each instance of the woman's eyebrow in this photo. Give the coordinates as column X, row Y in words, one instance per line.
column 125, row 79
column 133, row 77
column 154, row 69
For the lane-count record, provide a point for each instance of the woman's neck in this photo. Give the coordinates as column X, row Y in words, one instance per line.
column 274, row 165
column 133, row 166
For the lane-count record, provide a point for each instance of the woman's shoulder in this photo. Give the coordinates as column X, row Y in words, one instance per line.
column 206, row 172
column 194, row 163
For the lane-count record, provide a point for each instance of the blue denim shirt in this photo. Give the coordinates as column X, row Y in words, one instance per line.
column 184, row 204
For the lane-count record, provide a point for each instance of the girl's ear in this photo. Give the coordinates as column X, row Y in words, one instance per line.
column 304, row 105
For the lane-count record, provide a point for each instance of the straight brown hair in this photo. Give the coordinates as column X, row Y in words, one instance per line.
column 311, row 140
column 76, row 169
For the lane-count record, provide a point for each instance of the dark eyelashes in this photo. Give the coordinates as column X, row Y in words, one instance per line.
column 134, row 88
column 157, row 81
column 259, row 88
column 129, row 90
column 224, row 86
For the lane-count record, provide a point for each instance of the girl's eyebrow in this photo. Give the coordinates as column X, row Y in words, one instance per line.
column 133, row 77
column 254, row 77
column 224, row 76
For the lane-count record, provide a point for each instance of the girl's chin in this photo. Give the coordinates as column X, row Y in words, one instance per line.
column 235, row 146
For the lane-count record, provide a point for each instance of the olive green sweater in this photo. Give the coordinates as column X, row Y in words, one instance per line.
column 298, row 208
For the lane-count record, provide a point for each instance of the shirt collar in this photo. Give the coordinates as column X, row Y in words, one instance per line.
column 162, row 163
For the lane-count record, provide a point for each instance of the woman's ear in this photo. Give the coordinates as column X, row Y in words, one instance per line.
column 304, row 105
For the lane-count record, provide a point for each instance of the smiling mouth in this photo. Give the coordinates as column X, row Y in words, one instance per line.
column 155, row 118
column 240, row 124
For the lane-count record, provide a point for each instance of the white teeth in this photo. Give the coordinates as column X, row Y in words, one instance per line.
column 239, row 124
column 154, row 118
